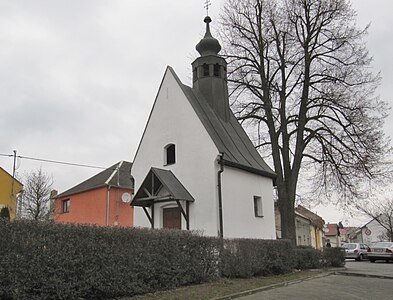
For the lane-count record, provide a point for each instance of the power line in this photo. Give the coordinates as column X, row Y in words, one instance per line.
column 54, row 161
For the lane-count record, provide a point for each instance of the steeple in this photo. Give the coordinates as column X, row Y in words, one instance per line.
column 208, row 45
column 210, row 73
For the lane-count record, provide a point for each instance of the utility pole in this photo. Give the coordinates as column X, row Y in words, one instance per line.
column 13, row 196
column 13, row 175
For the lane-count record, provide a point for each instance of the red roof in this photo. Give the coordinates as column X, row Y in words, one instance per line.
column 332, row 230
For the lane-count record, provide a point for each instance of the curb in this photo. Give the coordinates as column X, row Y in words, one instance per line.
column 281, row 284
column 363, row 275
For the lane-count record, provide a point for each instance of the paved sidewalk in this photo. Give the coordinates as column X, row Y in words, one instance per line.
column 242, row 294
column 362, row 281
column 330, row 287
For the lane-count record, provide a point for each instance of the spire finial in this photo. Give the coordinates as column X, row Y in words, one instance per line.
column 207, row 4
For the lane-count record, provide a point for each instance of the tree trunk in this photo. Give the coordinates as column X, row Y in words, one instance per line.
column 286, row 205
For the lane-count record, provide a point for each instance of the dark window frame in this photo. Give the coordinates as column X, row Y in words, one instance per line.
column 258, row 208
column 66, row 206
column 170, row 154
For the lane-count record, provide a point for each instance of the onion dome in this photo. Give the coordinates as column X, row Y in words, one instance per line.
column 208, row 45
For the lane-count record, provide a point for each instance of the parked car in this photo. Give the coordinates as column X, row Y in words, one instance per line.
column 358, row 251
column 381, row 251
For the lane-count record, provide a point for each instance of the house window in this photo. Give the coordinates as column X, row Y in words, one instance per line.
column 66, row 206
column 170, row 154
column 258, row 209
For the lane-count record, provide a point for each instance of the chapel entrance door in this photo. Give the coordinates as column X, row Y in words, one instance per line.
column 171, row 218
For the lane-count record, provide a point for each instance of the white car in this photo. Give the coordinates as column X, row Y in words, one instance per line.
column 358, row 251
column 381, row 251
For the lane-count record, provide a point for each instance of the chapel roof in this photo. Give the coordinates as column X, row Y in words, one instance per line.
column 228, row 136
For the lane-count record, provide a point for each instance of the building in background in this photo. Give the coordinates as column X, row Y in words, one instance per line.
column 336, row 234
column 309, row 227
column 10, row 189
column 369, row 233
column 316, row 226
column 103, row 199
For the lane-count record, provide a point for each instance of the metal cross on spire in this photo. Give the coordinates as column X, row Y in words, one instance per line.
column 207, row 4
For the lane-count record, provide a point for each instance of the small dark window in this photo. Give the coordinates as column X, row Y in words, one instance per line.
column 170, row 155
column 216, row 70
column 205, row 70
column 258, row 209
column 66, row 206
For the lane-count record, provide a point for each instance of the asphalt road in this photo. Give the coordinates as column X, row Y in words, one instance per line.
column 361, row 280
column 379, row 268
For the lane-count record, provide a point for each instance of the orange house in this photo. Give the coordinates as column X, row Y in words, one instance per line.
column 103, row 199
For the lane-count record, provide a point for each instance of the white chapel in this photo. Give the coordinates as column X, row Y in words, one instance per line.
column 195, row 167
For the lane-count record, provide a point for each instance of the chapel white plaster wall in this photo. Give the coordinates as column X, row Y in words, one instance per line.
column 238, row 189
column 173, row 120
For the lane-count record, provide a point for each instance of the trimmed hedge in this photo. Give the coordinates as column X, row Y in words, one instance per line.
column 55, row 261
column 307, row 258
column 242, row 258
column 333, row 257
column 40, row 260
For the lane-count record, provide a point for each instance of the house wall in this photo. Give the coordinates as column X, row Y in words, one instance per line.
column 173, row 120
column 376, row 232
column 6, row 200
column 90, row 207
column 303, row 236
column 319, row 237
column 238, row 191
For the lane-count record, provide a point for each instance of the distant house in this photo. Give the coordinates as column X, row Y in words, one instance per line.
column 316, row 226
column 103, row 199
column 9, row 191
column 309, row 227
column 336, row 235
column 370, row 232
column 303, row 230
column 195, row 167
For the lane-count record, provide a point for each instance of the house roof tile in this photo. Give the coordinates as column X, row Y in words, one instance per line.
column 118, row 175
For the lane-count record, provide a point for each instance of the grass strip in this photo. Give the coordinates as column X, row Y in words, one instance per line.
column 223, row 287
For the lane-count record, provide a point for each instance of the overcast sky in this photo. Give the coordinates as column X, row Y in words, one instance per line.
column 78, row 77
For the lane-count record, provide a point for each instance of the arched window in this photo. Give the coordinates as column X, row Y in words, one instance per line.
column 169, row 154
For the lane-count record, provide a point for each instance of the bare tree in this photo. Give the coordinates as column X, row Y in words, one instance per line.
column 300, row 77
column 382, row 213
column 36, row 195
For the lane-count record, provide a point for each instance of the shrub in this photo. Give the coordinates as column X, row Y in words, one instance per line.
column 307, row 258
column 56, row 261
column 333, row 257
column 4, row 214
column 244, row 258
column 41, row 260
